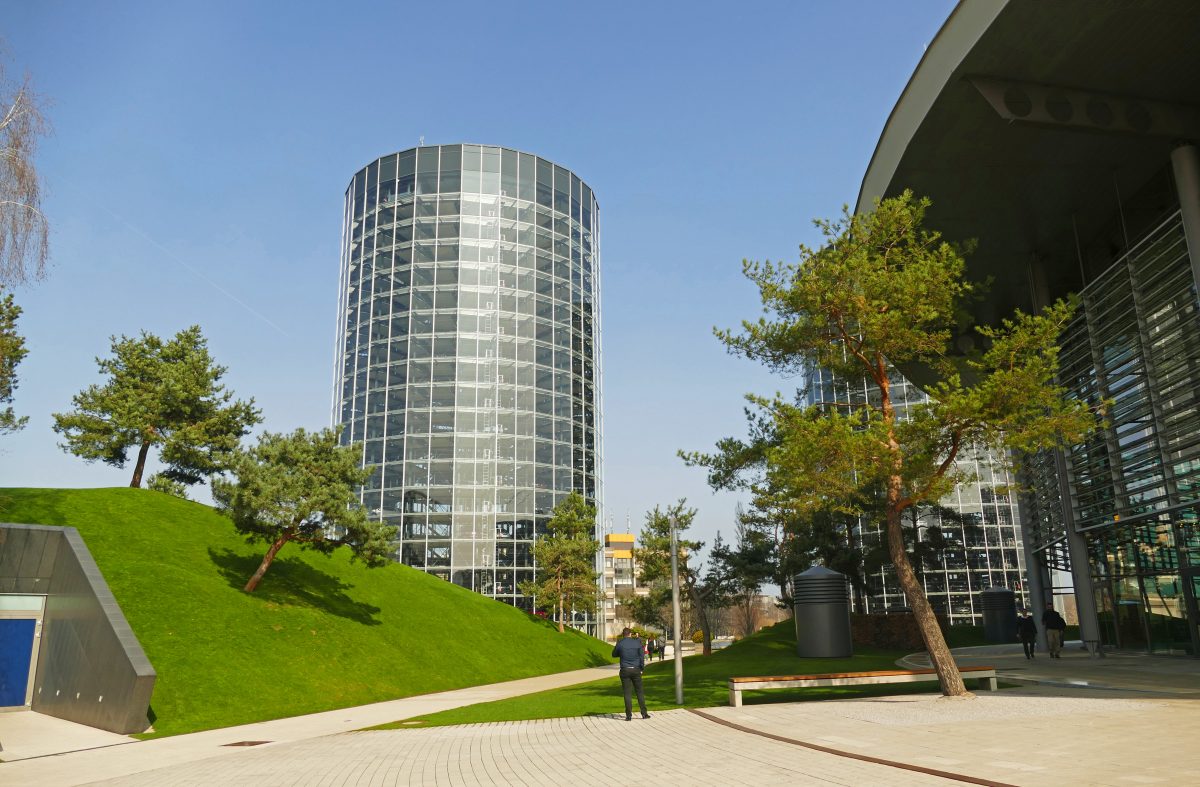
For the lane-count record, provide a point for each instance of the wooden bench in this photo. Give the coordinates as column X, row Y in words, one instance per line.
column 738, row 685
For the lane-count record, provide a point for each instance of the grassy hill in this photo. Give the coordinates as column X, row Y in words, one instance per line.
column 319, row 633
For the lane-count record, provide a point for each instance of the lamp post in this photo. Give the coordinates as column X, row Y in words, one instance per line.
column 675, row 612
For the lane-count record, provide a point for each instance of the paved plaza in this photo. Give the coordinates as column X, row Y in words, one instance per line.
column 1076, row 720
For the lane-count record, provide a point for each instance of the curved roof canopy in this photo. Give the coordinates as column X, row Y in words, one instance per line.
column 1027, row 122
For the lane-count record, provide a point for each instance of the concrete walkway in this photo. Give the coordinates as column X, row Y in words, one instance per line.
column 1030, row 736
column 671, row 748
column 91, row 764
column 1131, row 673
column 1016, row 737
column 25, row 734
column 1136, row 726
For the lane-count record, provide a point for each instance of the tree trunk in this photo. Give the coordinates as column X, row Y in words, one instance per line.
column 935, row 644
column 266, row 563
column 749, row 618
column 702, row 617
column 561, row 628
column 939, row 652
column 136, row 483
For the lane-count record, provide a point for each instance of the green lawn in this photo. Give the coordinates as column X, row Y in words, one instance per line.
column 772, row 651
column 320, row 633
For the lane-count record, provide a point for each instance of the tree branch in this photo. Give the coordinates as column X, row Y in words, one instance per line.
column 943, row 467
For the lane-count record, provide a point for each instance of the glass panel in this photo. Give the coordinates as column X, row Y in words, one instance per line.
column 527, row 182
column 427, row 170
column 508, row 173
column 13, row 603
column 545, row 183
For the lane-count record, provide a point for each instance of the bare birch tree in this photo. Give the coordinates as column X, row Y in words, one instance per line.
column 24, row 230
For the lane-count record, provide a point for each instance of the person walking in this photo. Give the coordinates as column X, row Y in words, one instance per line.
column 662, row 648
column 1027, row 632
column 633, row 660
column 1055, row 626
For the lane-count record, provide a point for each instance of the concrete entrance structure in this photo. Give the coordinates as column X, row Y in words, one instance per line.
column 83, row 662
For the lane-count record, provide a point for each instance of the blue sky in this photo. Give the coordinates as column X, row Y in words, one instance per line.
column 200, row 152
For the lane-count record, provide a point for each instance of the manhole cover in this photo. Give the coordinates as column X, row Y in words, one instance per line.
column 246, row 743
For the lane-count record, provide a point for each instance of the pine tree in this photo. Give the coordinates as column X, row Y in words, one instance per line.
column 159, row 394
column 12, row 352
column 884, row 291
column 566, row 560
column 301, row 488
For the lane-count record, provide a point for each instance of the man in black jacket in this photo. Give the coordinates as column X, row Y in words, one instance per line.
column 1055, row 626
column 633, row 661
column 1027, row 632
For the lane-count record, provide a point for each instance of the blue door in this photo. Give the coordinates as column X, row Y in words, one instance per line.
column 16, row 648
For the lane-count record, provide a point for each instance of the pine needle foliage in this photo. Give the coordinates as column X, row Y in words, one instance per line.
column 885, row 291
column 12, row 352
column 159, row 394
column 566, row 560
column 301, row 488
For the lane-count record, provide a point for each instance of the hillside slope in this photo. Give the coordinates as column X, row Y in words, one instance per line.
column 319, row 633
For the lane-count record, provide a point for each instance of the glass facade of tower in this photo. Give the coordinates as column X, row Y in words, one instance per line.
column 468, row 354
column 980, row 544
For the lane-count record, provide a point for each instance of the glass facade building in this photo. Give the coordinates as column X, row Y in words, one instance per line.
column 1070, row 154
column 1132, row 491
column 981, row 542
column 468, row 354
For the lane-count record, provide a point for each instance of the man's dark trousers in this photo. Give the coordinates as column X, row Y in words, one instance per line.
column 632, row 679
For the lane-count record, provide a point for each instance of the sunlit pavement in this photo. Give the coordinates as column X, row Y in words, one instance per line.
column 1059, row 732
column 1127, row 672
column 1012, row 737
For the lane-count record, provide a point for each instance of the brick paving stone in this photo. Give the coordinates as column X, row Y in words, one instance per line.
column 672, row 747
column 1041, row 735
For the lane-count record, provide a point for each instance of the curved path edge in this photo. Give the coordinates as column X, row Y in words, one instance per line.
column 958, row 777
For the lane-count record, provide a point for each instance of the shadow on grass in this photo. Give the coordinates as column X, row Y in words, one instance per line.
column 594, row 659
column 292, row 581
column 36, row 509
column 591, row 658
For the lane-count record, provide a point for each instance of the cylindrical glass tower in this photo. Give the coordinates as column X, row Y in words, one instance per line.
column 468, row 354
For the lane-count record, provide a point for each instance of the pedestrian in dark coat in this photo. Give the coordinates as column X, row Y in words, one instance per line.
column 630, row 651
column 1027, row 632
column 1055, row 626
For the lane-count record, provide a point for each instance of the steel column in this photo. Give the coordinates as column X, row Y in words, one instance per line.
column 1185, row 164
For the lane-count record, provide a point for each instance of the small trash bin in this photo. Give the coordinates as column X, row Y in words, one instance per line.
column 999, row 614
column 822, row 602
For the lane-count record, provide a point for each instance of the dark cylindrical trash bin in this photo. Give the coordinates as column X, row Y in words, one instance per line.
column 999, row 614
column 822, row 602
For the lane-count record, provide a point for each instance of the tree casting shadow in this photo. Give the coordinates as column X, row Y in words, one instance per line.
column 596, row 660
column 293, row 581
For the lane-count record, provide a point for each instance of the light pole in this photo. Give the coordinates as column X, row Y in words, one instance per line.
column 675, row 612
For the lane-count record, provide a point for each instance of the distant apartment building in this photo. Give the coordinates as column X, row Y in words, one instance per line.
column 978, row 522
column 620, row 582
